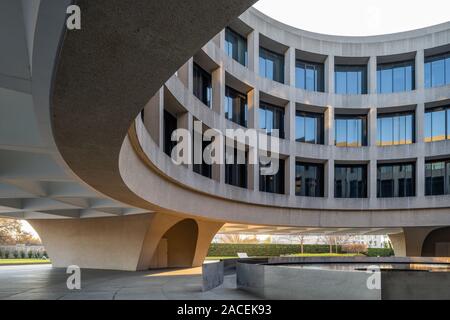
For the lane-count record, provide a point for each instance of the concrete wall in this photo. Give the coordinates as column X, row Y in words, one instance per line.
column 136, row 242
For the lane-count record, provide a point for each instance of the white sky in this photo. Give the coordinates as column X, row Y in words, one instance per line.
column 357, row 17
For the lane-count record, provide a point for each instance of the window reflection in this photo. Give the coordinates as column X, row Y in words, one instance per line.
column 437, row 70
column 271, row 117
column 309, row 127
column 351, row 79
column 350, row 131
column 235, row 106
column 395, row 77
column 437, row 177
column 395, row 129
column 273, row 183
column 309, row 179
column 350, row 181
column 202, row 85
column 437, row 124
column 395, row 180
column 271, row 65
column 309, row 76
column 236, row 46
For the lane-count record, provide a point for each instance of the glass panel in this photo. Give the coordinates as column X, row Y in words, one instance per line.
column 427, row 129
column 300, row 128
column 262, row 67
column 428, row 75
column 447, row 70
column 438, row 73
column 262, row 118
column 310, row 78
column 341, row 82
column 437, row 182
column 386, row 80
column 438, row 125
column 341, row 132
column 310, row 130
column 396, row 131
column 300, row 77
column 387, row 134
column 399, row 79
column 379, row 130
column 353, row 84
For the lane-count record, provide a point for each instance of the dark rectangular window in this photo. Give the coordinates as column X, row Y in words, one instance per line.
column 350, row 181
column 271, row 117
column 309, row 179
column 437, row 124
column 395, row 180
column 437, row 70
column 350, row 131
column 170, row 124
column 309, row 127
column 309, row 76
column 437, row 177
column 202, row 85
column 395, row 129
column 236, row 46
column 271, row 65
column 351, row 79
column 273, row 183
column 396, row 77
column 235, row 106
column 202, row 168
column 236, row 167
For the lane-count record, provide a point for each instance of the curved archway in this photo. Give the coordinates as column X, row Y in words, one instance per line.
column 177, row 246
column 437, row 243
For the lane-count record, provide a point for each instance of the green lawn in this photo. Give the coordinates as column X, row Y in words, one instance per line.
column 298, row 255
column 22, row 261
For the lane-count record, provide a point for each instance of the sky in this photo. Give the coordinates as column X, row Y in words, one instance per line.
column 357, row 17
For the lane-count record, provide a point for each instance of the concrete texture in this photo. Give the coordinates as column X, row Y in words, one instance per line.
column 109, row 70
column 47, row 283
column 126, row 243
column 212, row 274
column 285, row 279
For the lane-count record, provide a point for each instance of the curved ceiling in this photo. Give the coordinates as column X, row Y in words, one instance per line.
column 357, row 17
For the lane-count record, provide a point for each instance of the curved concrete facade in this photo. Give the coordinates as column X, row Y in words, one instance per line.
column 94, row 155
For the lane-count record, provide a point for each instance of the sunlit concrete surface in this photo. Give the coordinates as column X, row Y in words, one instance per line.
column 42, row 282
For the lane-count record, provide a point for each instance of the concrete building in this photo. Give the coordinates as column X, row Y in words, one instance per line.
column 86, row 118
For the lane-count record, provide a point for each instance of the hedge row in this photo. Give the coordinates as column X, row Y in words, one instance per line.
column 261, row 250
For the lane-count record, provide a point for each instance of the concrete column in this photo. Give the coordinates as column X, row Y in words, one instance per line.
column 154, row 117
column 218, row 90
column 420, row 123
column 253, row 51
column 329, row 74
column 420, row 69
column 253, row 169
column 372, row 76
column 372, row 129
column 186, row 74
column 289, row 181
column 372, row 175
column 329, row 178
column 186, row 121
column 409, row 243
column 289, row 67
column 420, row 176
column 253, row 122
column 289, row 121
column 329, row 126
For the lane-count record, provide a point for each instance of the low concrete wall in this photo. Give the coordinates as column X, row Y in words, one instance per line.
column 212, row 273
column 415, row 285
column 281, row 279
column 290, row 283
